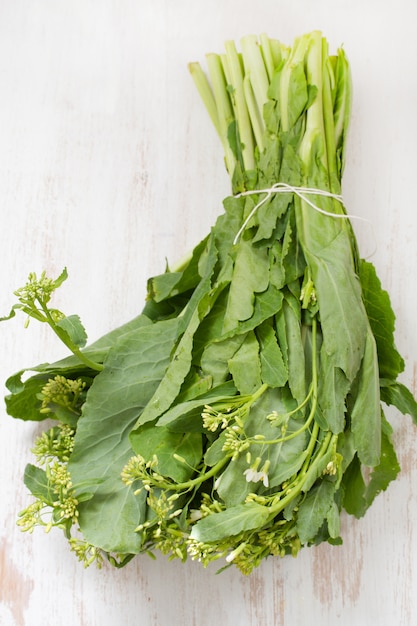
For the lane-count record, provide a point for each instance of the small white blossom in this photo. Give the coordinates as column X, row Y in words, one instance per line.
column 253, row 475
column 195, row 515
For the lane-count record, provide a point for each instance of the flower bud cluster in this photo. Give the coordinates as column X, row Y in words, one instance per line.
column 63, row 392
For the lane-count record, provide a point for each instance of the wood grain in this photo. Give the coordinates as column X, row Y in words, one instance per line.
column 109, row 166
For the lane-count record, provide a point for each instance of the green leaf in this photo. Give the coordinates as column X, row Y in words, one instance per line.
column 277, row 269
column 75, row 330
column 36, row 481
column 333, row 521
column 360, row 494
column 186, row 416
column 366, row 411
column 172, row 283
column 132, row 371
column 354, row 487
column 148, row 440
column 285, row 457
column 292, row 253
column 61, row 278
column 24, row 403
column 388, row 468
column 178, row 368
column 343, row 318
column 14, row 308
column 214, row 452
column 267, row 216
column 250, row 276
column 273, row 370
column 162, row 287
column 200, row 304
column 314, row 510
column 229, row 522
column 296, row 358
column 398, row 395
column 196, row 384
column 332, row 391
column 232, row 485
column 382, row 321
column 245, row 366
column 297, row 97
column 266, row 305
column 216, row 356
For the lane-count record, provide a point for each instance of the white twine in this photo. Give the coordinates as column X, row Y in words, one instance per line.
column 301, row 192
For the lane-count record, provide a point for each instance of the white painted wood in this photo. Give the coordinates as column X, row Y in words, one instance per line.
column 109, row 165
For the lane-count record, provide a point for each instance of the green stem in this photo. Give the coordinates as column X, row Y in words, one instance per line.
column 194, row 482
column 204, row 89
column 294, row 489
column 297, row 56
column 341, row 102
column 234, row 70
column 310, row 449
column 67, row 341
column 313, row 392
column 256, row 73
column 314, row 131
column 223, row 106
column 255, row 117
column 267, row 55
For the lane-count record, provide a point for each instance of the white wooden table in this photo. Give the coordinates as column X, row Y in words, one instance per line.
column 109, row 165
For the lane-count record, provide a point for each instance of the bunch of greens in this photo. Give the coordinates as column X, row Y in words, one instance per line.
column 240, row 412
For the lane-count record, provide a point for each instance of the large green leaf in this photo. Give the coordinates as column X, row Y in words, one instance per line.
column 327, row 247
column 200, row 304
column 23, row 402
column 133, row 370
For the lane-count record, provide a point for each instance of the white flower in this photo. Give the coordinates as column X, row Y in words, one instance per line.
column 195, row 514
column 253, row 476
column 264, row 478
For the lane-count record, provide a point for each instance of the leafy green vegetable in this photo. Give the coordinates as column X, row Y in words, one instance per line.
column 241, row 412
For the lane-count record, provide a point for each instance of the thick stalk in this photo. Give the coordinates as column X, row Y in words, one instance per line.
column 234, row 70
